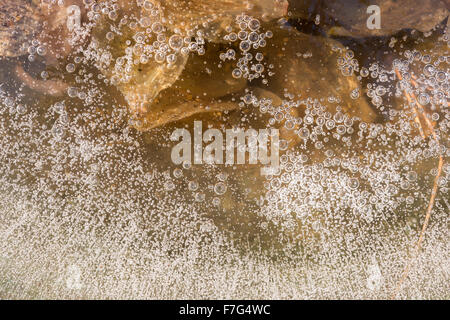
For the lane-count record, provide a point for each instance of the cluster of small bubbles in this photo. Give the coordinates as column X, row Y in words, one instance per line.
column 347, row 186
column 319, row 185
column 430, row 86
column 363, row 203
column 229, row 55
